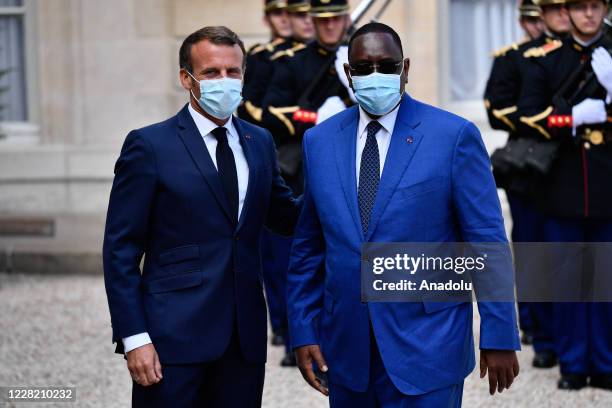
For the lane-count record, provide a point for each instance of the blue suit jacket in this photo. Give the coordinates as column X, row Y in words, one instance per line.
column 201, row 274
column 436, row 186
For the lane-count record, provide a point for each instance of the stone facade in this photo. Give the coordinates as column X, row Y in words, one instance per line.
column 101, row 68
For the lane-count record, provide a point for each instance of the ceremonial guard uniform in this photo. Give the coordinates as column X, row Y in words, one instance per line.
column 574, row 194
column 304, row 79
column 259, row 70
column 510, row 67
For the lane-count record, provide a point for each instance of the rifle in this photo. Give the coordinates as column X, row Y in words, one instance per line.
column 308, row 100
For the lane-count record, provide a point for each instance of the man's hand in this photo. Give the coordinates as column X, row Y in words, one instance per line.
column 503, row 367
column 305, row 357
column 144, row 365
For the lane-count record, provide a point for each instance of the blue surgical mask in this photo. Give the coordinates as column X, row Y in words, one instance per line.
column 377, row 93
column 219, row 97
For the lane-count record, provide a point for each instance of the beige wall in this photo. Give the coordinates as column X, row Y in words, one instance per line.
column 111, row 66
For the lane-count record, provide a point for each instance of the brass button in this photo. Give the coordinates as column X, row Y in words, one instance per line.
column 596, row 137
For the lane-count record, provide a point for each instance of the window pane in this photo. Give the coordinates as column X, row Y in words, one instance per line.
column 477, row 28
column 12, row 70
column 11, row 3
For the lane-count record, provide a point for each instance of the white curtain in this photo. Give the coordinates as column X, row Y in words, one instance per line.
column 13, row 105
column 478, row 28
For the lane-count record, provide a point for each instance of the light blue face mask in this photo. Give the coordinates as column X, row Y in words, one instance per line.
column 377, row 93
column 219, row 97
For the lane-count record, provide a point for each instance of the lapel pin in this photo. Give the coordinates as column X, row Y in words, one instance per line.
column 410, row 140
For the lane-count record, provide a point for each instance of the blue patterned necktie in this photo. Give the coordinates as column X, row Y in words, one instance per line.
column 369, row 175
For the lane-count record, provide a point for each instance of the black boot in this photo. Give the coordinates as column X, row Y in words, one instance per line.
column 289, row 360
column 603, row 381
column 572, row 382
column 545, row 359
column 527, row 338
column 278, row 338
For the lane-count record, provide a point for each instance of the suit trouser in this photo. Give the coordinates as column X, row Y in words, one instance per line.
column 275, row 251
column 229, row 382
column 383, row 393
column 583, row 336
column 528, row 226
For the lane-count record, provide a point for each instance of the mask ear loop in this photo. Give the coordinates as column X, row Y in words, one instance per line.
column 194, row 78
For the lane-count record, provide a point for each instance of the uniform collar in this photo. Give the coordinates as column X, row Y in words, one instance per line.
column 582, row 44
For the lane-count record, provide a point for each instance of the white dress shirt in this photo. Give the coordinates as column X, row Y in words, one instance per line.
column 205, row 127
column 383, row 137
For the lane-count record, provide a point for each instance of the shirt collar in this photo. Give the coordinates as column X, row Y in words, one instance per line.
column 205, row 125
column 387, row 121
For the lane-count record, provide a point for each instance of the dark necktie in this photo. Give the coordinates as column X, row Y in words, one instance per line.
column 226, row 166
column 369, row 175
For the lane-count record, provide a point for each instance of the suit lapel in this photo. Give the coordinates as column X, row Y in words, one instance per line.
column 404, row 143
column 189, row 134
column 345, row 145
column 246, row 141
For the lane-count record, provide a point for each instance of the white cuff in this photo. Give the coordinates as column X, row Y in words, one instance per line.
column 608, row 99
column 135, row 341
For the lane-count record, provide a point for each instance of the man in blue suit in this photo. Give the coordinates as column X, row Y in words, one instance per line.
column 392, row 170
column 192, row 194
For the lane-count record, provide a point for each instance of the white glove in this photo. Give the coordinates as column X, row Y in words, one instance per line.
column 588, row 112
column 330, row 107
column 341, row 59
column 602, row 66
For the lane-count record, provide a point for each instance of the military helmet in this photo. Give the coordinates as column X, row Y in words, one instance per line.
column 578, row 1
column 528, row 8
column 542, row 3
column 328, row 8
column 271, row 5
column 298, row 6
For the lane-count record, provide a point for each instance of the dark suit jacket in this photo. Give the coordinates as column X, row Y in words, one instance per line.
column 201, row 274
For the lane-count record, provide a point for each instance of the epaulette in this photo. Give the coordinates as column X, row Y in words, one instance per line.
column 256, row 49
column 273, row 44
column 289, row 53
column 543, row 50
column 514, row 46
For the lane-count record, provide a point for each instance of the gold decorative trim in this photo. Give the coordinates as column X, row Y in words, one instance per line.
column 275, row 5
column 502, row 113
column 531, row 121
column 256, row 49
column 255, row 112
column 543, row 50
column 329, row 11
column 299, row 7
column 290, row 52
column 280, row 115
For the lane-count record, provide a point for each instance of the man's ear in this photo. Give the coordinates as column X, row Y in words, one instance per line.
column 186, row 81
column 406, row 70
column 348, row 75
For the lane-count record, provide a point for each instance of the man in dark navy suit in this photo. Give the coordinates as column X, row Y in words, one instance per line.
column 193, row 193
